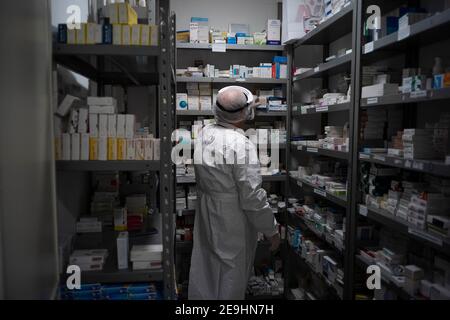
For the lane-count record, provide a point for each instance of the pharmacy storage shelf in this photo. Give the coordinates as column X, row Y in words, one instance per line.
column 320, row 109
column 427, row 31
column 125, row 165
column 438, row 168
column 105, row 50
column 209, row 46
column 414, row 97
column 321, row 152
column 231, row 80
column 386, row 218
column 335, row 66
column 330, row 30
column 302, row 183
column 194, row 113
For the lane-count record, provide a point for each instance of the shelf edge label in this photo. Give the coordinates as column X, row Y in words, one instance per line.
column 313, row 150
column 322, row 109
column 368, row 48
column 363, row 210
column 372, row 100
column 404, row 33
column 418, row 94
column 219, row 47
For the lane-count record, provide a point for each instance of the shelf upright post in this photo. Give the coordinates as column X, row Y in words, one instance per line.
column 167, row 88
column 353, row 182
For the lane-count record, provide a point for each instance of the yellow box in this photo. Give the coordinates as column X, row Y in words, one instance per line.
column 112, row 149
column 154, row 35
column 136, row 34
column 126, row 35
column 127, row 15
column 117, row 34
column 93, row 148
column 145, row 35
column 121, row 149
column 71, row 36
column 81, row 33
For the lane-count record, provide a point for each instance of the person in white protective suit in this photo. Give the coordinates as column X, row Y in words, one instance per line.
column 231, row 205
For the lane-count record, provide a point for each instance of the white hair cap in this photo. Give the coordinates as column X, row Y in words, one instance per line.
column 233, row 105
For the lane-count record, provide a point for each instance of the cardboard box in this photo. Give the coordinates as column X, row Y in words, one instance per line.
column 93, row 125
column 84, row 146
column 102, row 109
column 93, row 33
column 83, row 117
column 58, row 147
column 122, row 250
column 120, row 219
column 154, row 35
column 71, row 36
column 75, row 147
column 102, row 101
column 145, row 35
column 126, row 35
column 112, row 149
column 131, row 150
column 117, row 35
column 147, row 265
column 182, row 101
column 73, row 121
column 102, row 148
column 112, row 125
column 136, row 34
column 93, row 148
column 205, row 103
column 130, row 121
column 66, row 105
column 120, row 127
column 103, row 125
column 139, row 148
column 113, row 10
column 121, row 149
column 156, row 149
column 66, row 146
column 127, row 15
column 148, row 149
column 194, row 102
column 274, row 32
column 81, row 33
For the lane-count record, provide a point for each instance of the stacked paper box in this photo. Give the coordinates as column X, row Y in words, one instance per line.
column 146, row 256
column 418, row 144
column 89, row 260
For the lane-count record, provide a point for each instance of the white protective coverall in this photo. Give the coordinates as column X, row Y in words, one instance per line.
column 231, row 208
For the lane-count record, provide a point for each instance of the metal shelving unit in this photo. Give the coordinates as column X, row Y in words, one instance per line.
column 209, row 113
column 231, row 80
column 339, row 25
column 240, row 47
column 89, row 61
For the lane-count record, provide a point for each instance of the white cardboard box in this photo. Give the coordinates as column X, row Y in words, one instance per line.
column 156, row 149
column 140, row 149
column 136, row 34
column 102, row 109
column 75, row 147
column 148, row 149
column 84, row 146
column 103, row 125
column 101, row 101
column 122, row 250
column 131, row 150
column 83, row 116
column 66, row 148
column 130, row 121
column 273, row 31
column 117, row 35
column 182, row 101
column 194, row 102
column 145, row 35
column 126, row 35
column 120, row 130
column 66, row 104
column 93, row 125
column 112, row 125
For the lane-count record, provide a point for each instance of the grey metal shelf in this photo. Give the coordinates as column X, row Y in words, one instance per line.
column 424, row 32
column 335, row 66
column 125, row 165
column 231, row 80
column 321, row 193
column 330, row 30
column 105, row 50
column 194, row 113
column 322, row 109
column 421, row 96
column 438, row 168
column 191, row 180
column 387, row 219
column 240, row 47
column 321, row 152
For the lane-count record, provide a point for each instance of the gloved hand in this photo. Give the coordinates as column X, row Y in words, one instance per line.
column 275, row 242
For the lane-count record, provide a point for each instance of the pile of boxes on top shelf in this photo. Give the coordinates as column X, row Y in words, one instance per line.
column 97, row 132
column 432, row 281
column 322, row 104
column 322, row 261
column 199, row 32
column 119, row 27
column 324, row 174
column 124, row 291
column 302, row 16
column 422, row 205
column 277, row 69
column 336, row 139
column 326, row 222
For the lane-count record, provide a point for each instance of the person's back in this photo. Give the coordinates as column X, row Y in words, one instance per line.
column 231, row 209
